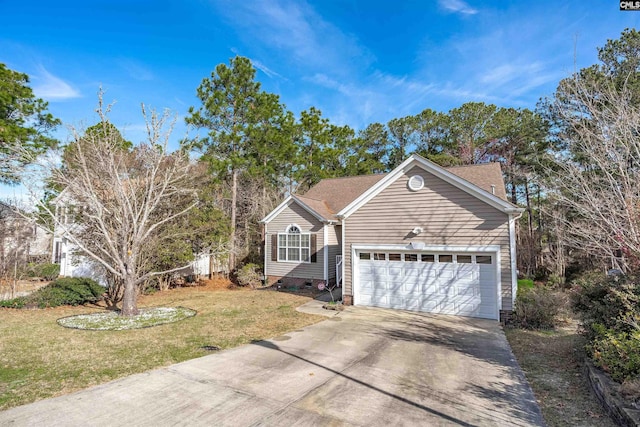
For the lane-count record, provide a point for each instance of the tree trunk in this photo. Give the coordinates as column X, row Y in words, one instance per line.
column 129, row 300
column 234, row 201
column 15, row 275
column 533, row 244
column 512, row 178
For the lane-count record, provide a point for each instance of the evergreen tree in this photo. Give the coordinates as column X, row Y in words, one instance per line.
column 25, row 124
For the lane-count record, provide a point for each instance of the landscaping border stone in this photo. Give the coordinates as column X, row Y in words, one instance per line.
column 605, row 390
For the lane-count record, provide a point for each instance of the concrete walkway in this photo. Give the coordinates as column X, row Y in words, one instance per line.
column 360, row 367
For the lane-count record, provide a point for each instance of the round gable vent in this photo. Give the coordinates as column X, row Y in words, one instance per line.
column 416, row 182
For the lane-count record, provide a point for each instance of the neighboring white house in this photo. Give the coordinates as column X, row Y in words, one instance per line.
column 21, row 238
column 74, row 264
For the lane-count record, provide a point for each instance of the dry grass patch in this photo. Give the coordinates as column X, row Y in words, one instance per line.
column 552, row 362
column 40, row 359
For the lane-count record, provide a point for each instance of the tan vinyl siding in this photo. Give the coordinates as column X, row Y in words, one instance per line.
column 448, row 215
column 334, row 236
column 295, row 214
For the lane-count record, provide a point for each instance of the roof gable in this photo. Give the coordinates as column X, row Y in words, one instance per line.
column 453, row 178
column 304, row 203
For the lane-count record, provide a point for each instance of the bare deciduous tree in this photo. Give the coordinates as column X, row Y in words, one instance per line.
column 595, row 178
column 121, row 199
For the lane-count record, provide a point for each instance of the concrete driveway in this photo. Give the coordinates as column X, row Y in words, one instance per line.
column 362, row 367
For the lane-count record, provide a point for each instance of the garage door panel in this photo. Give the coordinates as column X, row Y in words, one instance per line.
column 429, row 274
column 465, row 288
column 412, row 289
column 446, row 273
column 430, row 289
column 366, row 267
column 395, row 272
column 467, row 309
column 413, row 303
column 469, row 276
column 366, row 287
column 468, row 291
column 396, row 302
column 411, row 273
column 429, row 306
column 366, row 300
column 396, row 286
column 448, row 307
column 449, row 291
column 379, row 272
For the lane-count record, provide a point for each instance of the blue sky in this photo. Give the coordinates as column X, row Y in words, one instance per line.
column 357, row 61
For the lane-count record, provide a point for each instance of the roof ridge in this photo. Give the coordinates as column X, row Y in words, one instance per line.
column 353, row 176
column 470, row 166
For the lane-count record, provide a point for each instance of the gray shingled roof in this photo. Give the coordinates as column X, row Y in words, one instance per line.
column 330, row 196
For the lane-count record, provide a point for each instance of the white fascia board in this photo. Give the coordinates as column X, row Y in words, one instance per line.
column 429, row 248
column 416, row 160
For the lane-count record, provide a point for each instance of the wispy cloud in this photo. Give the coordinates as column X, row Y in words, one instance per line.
column 51, row 87
column 330, row 68
column 268, row 71
column 457, row 6
column 514, row 64
column 518, row 76
column 377, row 97
column 135, row 69
column 260, row 66
column 296, row 33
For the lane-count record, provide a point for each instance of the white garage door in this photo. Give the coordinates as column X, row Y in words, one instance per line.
column 463, row 284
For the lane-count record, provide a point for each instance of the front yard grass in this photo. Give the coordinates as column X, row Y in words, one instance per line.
column 41, row 359
column 553, row 363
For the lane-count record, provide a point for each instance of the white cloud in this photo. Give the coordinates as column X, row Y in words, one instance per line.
column 52, row 88
column 457, row 6
column 269, row 72
column 135, row 69
column 294, row 32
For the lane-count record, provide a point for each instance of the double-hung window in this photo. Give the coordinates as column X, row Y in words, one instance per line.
column 294, row 245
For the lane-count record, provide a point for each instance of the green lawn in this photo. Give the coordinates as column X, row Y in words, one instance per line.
column 40, row 359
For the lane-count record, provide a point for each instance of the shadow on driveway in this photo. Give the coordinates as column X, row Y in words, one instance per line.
column 273, row 346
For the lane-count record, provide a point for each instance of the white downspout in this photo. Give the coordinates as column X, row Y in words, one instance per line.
column 326, row 253
column 512, row 253
column 342, row 250
column 266, row 255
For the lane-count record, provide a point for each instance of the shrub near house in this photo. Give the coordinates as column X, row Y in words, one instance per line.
column 610, row 312
column 538, row 307
column 249, row 275
column 63, row 291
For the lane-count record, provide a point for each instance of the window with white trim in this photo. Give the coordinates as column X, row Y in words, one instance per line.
column 294, row 245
